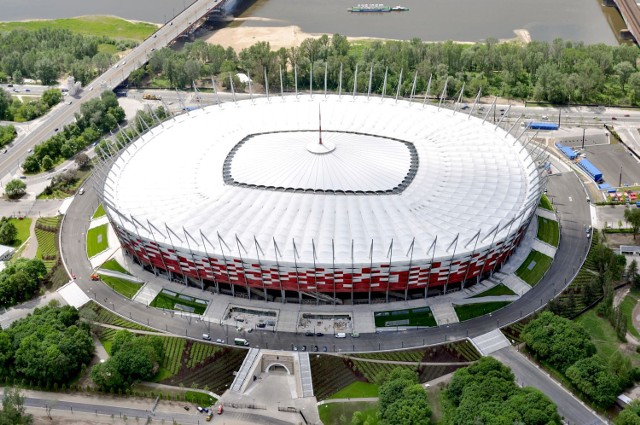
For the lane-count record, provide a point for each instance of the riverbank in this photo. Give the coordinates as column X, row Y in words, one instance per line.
column 109, row 26
column 241, row 37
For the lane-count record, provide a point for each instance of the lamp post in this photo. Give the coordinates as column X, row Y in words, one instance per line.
column 584, row 129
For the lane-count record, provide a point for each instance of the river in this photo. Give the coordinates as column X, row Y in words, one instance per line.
column 433, row 20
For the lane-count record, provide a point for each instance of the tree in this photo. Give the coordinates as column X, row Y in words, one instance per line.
column 82, row 160
column 46, row 71
column 486, row 393
column 592, row 377
column 557, row 340
column 8, row 232
column 402, row 399
column 15, row 189
column 47, row 163
column 13, row 411
column 31, row 164
column 632, row 216
column 52, row 97
column 627, row 417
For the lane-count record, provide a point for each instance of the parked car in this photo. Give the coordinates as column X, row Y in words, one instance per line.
column 308, row 333
column 206, row 337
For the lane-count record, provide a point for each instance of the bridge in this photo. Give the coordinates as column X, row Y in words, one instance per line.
column 631, row 15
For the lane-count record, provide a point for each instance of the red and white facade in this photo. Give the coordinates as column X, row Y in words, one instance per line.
column 390, row 198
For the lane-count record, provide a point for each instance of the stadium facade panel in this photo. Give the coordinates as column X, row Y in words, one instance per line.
column 331, row 197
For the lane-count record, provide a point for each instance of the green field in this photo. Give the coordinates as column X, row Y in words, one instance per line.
column 334, row 413
column 100, row 212
column 122, row 286
column 107, row 26
column 47, row 236
column 113, row 265
column 545, row 203
column 199, row 352
column 548, row 231
column 542, row 264
column 495, row 291
column 163, row 300
column 603, row 335
column 469, row 311
column 97, row 240
column 22, row 225
column 421, row 316
column 357, row 389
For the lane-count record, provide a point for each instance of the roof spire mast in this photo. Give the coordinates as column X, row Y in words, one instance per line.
column 319, row 124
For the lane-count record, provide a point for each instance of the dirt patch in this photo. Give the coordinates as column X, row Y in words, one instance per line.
column 614, row 240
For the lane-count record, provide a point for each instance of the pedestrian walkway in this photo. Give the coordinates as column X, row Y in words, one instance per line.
column 544, row 213
column 444, row 313
column 490, row 342
column 146, row 294
column 522, row 252
column 513, row 282
column 120, row 275
column 73, row 295
column 545, row 248
column 98, row 221
column 21, row 311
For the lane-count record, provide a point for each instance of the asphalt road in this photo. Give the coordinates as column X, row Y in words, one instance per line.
column 565, row 189
column 528, row 374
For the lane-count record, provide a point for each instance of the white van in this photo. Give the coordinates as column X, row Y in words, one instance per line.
column 341, row 335
column 81, row 191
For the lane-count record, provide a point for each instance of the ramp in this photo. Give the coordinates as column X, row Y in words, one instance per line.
column 241, row 377
column 490, row 342
column 305, row 375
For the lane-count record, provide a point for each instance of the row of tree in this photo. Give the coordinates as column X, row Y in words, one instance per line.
column 13, row 109
column 97, row 117
column 48, row 53
column 46, row 348
column 133, row 359
column 486, row 393
column 557, row 72
column 20, row 281
column 566, row 346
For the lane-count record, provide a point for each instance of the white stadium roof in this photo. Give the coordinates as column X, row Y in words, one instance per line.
column 253, row 172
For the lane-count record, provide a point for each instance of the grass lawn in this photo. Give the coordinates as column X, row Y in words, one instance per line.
column 331, row 414
column 602, row 334
column 545, row 203
column 100, row 212
column 23, row 230
column 357, row 390
column 169, row 302
column 201, row 399
column 121, row 286
column 627, row 306
column 108, row 26
column 97, row 240
column 495, row 291
column 533, row 275
column 421, row 316
column 469, row 311
column 113, row 265
column 548, row 231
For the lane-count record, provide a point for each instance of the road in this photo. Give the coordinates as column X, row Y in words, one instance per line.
column 528, row 374
column 128, row 409
column 565, row 189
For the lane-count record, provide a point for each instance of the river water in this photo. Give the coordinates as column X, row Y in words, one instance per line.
column 432, row 20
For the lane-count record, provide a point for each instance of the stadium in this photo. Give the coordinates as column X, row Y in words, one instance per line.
column 323, row 198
